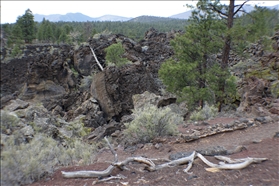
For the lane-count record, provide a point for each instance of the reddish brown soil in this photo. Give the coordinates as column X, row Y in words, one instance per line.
column 259, row 142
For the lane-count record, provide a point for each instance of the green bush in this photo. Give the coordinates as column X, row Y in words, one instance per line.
column 151, row 122
column 77, row 127
column 114, row 55
column 205, row 113
column 25, row 163
column 16, row 51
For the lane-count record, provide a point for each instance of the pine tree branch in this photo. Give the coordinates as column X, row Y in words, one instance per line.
column 214, row 8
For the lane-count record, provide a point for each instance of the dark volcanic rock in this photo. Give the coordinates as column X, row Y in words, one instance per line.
column 213, row 151
column 115, row 87
column 179, row 155
column 53, row 75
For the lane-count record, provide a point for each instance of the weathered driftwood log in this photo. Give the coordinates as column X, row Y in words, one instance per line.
column 151, row 166
column 109, row 178
column 174, row 163
column 88, row 174
column 229, row 160
column 236, row 164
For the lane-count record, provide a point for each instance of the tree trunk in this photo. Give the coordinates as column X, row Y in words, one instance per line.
column 226, row 52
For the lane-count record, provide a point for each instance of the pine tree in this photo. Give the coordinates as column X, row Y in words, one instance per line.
column 49, row 33
column 27, row 24
column 191, row 73
column 57, row 33
column 63, row 37
column 226, row 13
column 16, row 36
column 16, row 40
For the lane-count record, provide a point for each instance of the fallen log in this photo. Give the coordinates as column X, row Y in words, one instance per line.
column 88, row 174
column 174, row 163
column 151, row 166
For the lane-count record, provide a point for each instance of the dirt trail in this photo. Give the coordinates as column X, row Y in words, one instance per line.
column 259, row 142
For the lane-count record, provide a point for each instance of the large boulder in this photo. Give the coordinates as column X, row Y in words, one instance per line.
column 114, row 88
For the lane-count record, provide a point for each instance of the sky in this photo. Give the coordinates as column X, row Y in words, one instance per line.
column 10, row 10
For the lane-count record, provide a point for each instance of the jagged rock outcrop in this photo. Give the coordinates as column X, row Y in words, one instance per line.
column 42, row 71
column 259, row 83
column 55, row 75
column 46, row 73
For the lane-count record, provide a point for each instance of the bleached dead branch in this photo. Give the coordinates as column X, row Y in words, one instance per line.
column 151, row 166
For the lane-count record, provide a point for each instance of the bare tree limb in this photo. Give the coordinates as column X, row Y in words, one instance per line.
column 240, row 7
column 88, row 174
column 109, row 178
column 217, row 10
column 241, row 163
column 175, row 162
column 99, row 64
column 112, row 150
column 229, row 160
column 137, row 159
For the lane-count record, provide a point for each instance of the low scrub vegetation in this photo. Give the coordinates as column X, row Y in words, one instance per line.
column 151, row 122
column 28, row 162
column 9, row 121
column 207, row 112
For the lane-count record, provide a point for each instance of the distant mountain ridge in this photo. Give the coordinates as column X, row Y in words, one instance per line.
column 79, row 17
column 247, row 7
column 112, row 18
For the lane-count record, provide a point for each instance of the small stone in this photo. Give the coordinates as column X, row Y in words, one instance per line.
column 27, row 131
column 179, row 155
column 158, row 145
column 260, row 119
column 276, row 135
column 268, row 119
column 8, row 131
column 203, row 123
column 148, row 146
column 140, row 145
column 256, row 141
column 243, row 120
column 250, row 124
column 192, row 177
column 116, row 133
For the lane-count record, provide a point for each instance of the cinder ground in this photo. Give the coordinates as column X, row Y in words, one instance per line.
column 259, row 142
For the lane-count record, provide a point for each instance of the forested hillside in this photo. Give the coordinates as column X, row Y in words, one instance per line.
column 69, row 32
column 259, row 22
